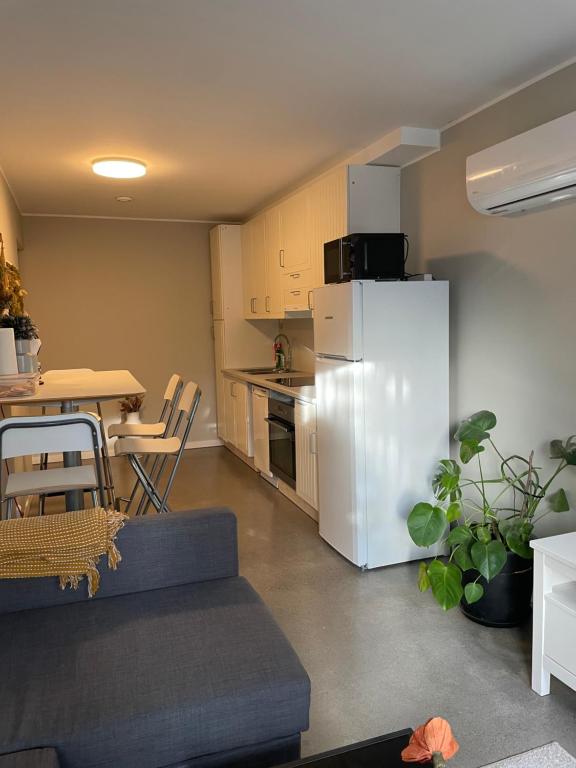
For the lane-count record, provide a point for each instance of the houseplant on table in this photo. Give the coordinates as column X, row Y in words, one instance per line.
column 487, row 522
column 130, row 407
column 26, row 339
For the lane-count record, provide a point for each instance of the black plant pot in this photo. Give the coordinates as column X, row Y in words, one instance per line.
column 507, row 598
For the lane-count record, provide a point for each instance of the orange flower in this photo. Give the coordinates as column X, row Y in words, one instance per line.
column 432, row 741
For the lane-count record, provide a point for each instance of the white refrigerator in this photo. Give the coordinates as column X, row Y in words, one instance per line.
column 382, row 408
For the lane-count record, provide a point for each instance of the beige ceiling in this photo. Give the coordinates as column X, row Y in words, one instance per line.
column 231, row 101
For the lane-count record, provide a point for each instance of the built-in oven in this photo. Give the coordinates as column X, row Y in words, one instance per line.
column 282, row 437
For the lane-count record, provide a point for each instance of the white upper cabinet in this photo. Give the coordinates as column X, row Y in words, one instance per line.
column 273, row 300
column 373, row 199
column 295, row 216
column 254, row 270
column 283, row 248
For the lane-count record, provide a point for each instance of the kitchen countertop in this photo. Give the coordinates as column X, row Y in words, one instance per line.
column 307, row 394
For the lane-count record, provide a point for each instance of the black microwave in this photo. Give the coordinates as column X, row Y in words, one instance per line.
column 374, row 256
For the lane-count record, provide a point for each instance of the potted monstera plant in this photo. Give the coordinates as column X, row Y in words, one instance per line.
column 485, row 521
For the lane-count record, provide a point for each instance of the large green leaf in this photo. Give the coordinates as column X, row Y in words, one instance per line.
column 483, row 534
column 423, row 580
column 558, row 501
column 489, row 558
column 459, row 535
column 446, row 479
column 519, row 545
column 473, row 592
column 475, row 428
column 485, row 420
column 570, row 456
column 566, row 451
column 462, row 557
column 453, row 511
column 426, row 524
column 446, row 583
column 469, row 449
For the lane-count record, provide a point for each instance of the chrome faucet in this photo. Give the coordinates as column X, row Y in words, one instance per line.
column 282, row 338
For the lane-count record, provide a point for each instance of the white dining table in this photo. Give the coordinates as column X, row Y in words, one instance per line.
column 70, row 389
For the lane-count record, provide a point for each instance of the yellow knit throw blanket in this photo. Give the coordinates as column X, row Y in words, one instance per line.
column 67, row 545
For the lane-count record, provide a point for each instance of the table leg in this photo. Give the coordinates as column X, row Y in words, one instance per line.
column 74, row 499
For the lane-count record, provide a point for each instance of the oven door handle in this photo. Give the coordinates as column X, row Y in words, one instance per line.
column 278, row 424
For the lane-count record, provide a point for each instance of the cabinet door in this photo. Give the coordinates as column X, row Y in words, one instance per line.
column 259, row 265
column 220, row 384
column 230, row 426
column 254, row 267
column 306, row 455
column 329, row 220
column 260, row 429
column 273, row 299
column 216, row 271
column 248, row 269
column 294, row 217
column 242, row 423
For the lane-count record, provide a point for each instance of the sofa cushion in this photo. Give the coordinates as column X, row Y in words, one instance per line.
column 149, row 679
column 31, row 758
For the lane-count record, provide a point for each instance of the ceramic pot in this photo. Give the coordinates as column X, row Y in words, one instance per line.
column 27, row 355
column 133, row 418
column 507, row 598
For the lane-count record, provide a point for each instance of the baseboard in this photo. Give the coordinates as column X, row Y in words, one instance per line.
column 204, row 443
column 247, row 460
column 291, row 494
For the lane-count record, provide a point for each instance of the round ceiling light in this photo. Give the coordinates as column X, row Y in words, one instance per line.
column 119, row 168
column 124, row 199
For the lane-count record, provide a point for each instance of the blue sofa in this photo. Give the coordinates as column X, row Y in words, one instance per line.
column 175, row 662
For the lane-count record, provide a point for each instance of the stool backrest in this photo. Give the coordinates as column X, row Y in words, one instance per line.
column 30, row 435
column 174, row 384
column 190, row 394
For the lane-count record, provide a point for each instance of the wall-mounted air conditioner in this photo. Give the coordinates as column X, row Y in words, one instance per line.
column 534, row 169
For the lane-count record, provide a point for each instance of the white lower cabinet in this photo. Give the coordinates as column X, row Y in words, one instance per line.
column 238, row 415
column 306, row 453
column 260, row 430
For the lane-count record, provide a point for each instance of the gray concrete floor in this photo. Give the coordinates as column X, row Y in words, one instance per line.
column 381, row 656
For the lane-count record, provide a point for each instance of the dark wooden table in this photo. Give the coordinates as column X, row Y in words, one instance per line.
column 382, row 752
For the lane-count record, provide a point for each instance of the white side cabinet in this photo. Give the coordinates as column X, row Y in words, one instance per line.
column 554, row 623
column 306, row 453
column 260, row 430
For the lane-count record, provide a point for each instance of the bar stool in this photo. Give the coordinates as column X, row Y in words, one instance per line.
column 162, row 448
column 158, row 429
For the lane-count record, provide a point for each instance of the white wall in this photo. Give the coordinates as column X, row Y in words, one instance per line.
column 109, row 294
column 512, row 282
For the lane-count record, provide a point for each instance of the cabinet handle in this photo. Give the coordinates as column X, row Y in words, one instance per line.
column 212, row 307
column 310, row 302
column 231, row 389
column 295, row 293
column 267, row 303
column 213, row 332
column 282, row 257
column 313, row 443
column 295, row 275
column 253, row 306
